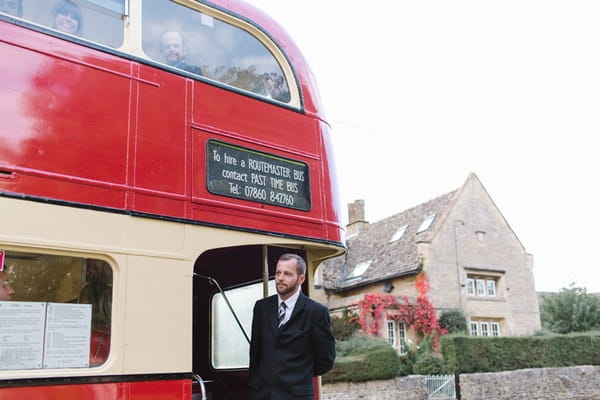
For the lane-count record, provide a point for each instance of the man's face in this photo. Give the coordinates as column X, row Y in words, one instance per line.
column 10, row 7
column 6, row 292
column 172, row 48
column 287, row 279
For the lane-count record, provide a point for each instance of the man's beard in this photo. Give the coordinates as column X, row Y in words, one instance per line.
column 288, row 289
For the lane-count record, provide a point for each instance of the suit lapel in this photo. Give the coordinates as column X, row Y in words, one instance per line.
column 299, row 307
column 272, row 314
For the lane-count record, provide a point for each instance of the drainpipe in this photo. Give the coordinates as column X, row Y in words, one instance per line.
column 456, row 260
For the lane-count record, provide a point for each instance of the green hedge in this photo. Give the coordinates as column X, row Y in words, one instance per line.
column 465, row 354
column 363, row 358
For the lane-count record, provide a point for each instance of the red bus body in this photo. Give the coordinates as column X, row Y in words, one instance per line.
column 94, row 128
column 101, row 130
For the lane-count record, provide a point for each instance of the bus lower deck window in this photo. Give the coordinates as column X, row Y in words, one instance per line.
column 58, row 313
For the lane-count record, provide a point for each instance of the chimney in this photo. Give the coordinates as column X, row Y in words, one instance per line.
column 356, row 218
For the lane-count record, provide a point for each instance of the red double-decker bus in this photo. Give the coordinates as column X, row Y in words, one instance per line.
column 156, row 157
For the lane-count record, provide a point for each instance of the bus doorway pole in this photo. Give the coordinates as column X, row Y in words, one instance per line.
column 265, row 254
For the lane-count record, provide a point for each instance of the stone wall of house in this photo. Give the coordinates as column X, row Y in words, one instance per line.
column 476, row 240
column 573, row 383
column 405, row 388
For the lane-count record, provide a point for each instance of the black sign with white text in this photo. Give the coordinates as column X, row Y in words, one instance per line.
column 256, row 176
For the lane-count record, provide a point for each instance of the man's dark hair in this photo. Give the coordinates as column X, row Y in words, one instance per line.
column 300, row 263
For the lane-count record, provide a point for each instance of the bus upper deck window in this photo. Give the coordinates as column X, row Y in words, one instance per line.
column 12, row 7
column 56, row 303
column 205, row 45
column 100, row 21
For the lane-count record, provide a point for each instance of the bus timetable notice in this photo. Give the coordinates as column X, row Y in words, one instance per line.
column 251, row 175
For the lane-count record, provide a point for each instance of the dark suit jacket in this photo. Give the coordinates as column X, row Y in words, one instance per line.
column 283, row 361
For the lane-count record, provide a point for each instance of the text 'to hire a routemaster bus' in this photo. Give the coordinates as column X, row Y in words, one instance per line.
column 156, row 157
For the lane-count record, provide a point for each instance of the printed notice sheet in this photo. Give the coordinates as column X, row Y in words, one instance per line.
column 68, row 329
column 21, row 334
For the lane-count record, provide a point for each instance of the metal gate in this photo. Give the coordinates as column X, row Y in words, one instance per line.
column 440, row 387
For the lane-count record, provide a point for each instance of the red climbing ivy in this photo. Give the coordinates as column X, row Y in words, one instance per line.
column 420, row 315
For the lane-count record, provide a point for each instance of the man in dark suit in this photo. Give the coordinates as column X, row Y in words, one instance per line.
column 290, row 344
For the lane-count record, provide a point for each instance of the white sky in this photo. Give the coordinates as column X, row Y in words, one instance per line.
column 421, row 93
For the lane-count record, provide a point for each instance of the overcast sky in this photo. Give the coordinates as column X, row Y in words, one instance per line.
column 425, row 92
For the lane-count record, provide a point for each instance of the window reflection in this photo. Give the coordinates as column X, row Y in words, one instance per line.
column 198, row 43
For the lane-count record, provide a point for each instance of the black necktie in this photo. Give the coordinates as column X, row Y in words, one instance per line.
column 282, row 308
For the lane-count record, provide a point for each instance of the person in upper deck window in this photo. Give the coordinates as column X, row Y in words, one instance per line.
column 12, row 7
column 174, row 50
column 67, row 18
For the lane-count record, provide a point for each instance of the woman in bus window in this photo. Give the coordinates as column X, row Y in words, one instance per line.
column 67, row 18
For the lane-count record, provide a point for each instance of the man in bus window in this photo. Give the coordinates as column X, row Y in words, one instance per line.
column 174, row 50
column 291, row 341
column 6, row 291
column 12, row 7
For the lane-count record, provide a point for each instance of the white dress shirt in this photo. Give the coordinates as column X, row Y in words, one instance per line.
column 290, row 303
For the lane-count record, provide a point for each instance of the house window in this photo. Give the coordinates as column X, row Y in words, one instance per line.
column 495, row 329
column 426, row 223
column 471, row 286
column 482, row 286
column 399, row 233
column 359, row 269
column 391, row 332
column 474, row 329
column 396, row 336
column 485, row 327
column 402, row 338
column 491, row 287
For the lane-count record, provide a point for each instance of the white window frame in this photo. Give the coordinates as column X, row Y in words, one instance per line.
column 391, row 333
column 480, row 287
column 474, row 328
column 402, row 338
column 485, row 328
column 495, row 329
column 491, row 287
column 471, row 286
column 359, row 269
column 398, row 233
column 427, row 221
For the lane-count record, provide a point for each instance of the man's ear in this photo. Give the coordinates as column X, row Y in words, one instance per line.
column 301, row 279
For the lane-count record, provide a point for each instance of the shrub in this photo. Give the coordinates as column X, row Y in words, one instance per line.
column 344, row 327
column 464, row 354
column 571, row 310
column 453, row 321
column 363, row 358
column 407, row 363
column 429, row 364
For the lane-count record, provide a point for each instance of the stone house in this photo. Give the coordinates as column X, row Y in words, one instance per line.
column 472, row 258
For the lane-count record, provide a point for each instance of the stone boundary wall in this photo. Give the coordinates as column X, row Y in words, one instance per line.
column 573, row 383
column 405, row 388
